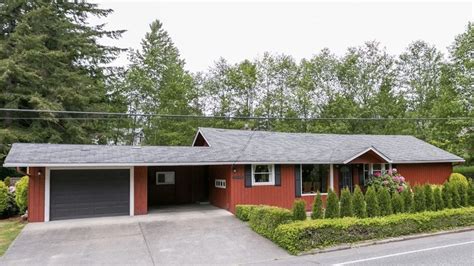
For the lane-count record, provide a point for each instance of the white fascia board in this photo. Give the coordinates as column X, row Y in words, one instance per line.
column 388, row 160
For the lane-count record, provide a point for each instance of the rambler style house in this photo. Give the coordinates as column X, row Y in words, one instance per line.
column 223, row 167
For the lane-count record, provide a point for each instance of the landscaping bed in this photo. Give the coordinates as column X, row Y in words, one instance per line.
column 383, row 212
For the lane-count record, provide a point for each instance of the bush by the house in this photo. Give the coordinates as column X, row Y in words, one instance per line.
column 458, row 178
column 385, row 203
column 407, row 200
column 372, row 203
column 243, row 211
column 390, row 180
column 346, row 203
column 429, row 199
column 318, row 212
column 305, row 235
column 419, row 199
column 447, row 197
column 332, row 205
column 453, row 189
column 463, row 194
column 21, row 194
column 397, row 203
column 358, row 202
column 438, row 199
column 3, row 197
column 299, row 210
column 265, row 219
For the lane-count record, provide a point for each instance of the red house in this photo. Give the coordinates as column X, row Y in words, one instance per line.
column 223, row 167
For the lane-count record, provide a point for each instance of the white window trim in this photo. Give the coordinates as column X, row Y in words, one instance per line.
column 272, row 176
column 382, row 168
column 47, row 187
column 331, row 182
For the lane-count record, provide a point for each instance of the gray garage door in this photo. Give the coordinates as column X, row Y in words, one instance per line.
column 89, row 193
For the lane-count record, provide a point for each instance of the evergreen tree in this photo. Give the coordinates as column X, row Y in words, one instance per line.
column 397, row 203
column 430, row 204
column 346, row 203
column 407, row 196
column 463, row 194
column 447, row 196
column 332, row 205
column 438, row 199
column 317, row 207
column 358, row 202
column 299, row 210
column 157, row 83
column 453, row 189
column 50, row 58
column 372, row 202
column 385, row 203
column 419, row 199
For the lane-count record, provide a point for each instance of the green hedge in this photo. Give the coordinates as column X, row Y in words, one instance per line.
column 466, row 170
column 265, row 219
column 243, row 211
column 305, row 235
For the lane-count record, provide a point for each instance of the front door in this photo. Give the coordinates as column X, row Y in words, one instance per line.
column 345, row 180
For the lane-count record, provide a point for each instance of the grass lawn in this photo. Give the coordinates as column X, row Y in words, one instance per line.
column 9, row 230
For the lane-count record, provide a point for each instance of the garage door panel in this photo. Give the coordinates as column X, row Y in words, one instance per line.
column 89, row 193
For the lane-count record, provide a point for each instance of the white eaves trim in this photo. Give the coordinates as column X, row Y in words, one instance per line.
column 388, row 160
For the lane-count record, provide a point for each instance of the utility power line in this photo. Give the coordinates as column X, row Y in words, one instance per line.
column 127, row 115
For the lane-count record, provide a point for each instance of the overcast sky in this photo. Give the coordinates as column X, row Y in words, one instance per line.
column 203, row 31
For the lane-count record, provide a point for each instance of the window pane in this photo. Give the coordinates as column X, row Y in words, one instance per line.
column 314, row 178
column 161, row 178
column 262, row 178
column 262, row 169
column 377, row 167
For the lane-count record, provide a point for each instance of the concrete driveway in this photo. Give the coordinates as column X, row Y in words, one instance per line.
column 179, row 235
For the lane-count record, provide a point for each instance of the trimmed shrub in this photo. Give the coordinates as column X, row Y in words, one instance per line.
column 407, row 196
column 306, row 235
column 438, row 199
column 299, row 210
column 3, row 197
column 11, row 208
column 466, row 170
column 318, row 212
column 419, row 199
column 358, row 202
column 385, row 203
column 471, row 192
column 265, row 219
column 397, row 203
column 463, row 194
column 429, row 199
column 447, row 197
column 242, row 212
column 332, row 205
column 455, row 197
column 346, row 203
column 372, row 204
column 21, row 194
column 458, row 178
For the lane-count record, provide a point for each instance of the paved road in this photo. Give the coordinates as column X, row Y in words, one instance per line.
column 449, row 249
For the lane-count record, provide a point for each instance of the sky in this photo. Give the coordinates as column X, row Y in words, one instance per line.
column 204, row 31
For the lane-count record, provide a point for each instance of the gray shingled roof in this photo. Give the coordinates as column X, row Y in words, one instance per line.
column 234, row 146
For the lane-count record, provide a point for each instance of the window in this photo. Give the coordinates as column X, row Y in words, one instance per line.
column 220, row 183
column 263, row 174
column 377, row 169
column 366, row 174
column 165, row 178
column 314, row 177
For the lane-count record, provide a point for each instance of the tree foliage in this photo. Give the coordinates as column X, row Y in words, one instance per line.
column 332, row 205
column 373, row 208
column 318, row 212
column 346, row 203
column 358, row 202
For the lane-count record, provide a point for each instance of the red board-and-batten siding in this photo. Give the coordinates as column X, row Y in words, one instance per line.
column 140, row 190
column 284, row 195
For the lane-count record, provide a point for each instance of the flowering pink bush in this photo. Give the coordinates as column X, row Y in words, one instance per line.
column 390, row 179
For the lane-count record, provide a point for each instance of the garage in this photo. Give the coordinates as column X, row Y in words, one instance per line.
column 85, row 193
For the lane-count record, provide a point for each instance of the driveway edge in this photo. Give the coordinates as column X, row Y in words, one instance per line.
column 384, row 241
